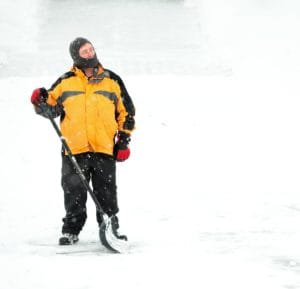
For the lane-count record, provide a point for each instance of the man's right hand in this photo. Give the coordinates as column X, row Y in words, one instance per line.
column 39, row 95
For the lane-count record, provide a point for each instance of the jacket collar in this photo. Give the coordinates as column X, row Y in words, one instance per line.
column 99, row 74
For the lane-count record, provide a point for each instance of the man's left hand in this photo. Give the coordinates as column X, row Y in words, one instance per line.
column 121, row 149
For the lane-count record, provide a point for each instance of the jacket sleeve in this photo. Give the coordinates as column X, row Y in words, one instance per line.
column 129, row 121
column 53, row 107
column 49, row 109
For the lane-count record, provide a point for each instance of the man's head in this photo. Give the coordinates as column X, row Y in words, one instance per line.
column 83, row 53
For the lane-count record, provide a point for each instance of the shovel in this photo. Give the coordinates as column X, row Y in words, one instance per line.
column 107, row 232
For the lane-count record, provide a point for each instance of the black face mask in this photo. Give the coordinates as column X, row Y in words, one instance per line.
column 86, row 63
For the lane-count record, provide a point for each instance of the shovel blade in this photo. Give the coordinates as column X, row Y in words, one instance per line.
column 110, row 239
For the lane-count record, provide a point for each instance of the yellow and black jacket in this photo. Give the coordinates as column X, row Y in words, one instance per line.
column 92, row 110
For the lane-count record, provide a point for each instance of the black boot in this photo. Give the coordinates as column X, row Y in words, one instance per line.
column 68, row 239
column 115, row 226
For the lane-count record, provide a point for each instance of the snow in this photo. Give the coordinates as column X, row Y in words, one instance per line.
column 210, row 196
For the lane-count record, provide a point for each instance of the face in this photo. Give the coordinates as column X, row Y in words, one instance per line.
column 87, row 51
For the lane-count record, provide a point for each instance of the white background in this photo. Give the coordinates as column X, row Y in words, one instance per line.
column 210, row 195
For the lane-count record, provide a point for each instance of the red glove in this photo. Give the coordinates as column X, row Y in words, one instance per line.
column 121, row 149
column 123, row 155
column 38, row 96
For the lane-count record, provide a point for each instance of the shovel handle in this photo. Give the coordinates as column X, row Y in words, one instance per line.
column 76, row 166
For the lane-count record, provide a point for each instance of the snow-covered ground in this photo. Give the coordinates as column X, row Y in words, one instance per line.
column 210, row 196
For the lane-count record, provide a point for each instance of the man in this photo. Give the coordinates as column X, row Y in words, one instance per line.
column 95, row 109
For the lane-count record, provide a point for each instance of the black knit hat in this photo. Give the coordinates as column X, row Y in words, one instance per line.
column 78, row 60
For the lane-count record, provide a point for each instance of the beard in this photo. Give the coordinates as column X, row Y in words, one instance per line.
column 86, row 62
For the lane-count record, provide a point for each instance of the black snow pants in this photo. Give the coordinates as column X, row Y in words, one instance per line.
column 98, row 168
